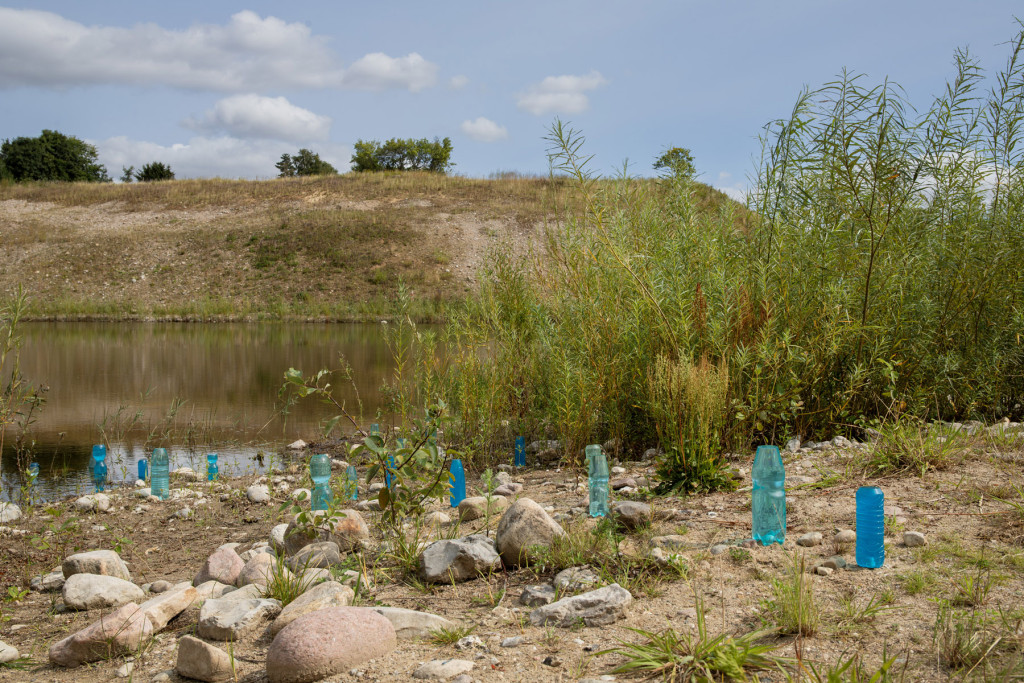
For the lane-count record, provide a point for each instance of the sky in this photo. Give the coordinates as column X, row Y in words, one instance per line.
column 225, row 88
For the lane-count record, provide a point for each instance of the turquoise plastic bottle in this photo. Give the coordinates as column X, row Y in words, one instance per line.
column 160, row 474
column 353, row 482
column 769, row 496
column 457, row 483
column 320, row 473
column 33, row 473
column 99, row 466
column 598, row 485
column 212, row 471
column 143, row 466
column 870, row 527
column 520, row 459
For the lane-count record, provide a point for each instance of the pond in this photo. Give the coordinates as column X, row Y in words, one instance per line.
column 192, row 387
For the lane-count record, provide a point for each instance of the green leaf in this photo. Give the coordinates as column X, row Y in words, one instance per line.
column 384, row 498
column 331, row 424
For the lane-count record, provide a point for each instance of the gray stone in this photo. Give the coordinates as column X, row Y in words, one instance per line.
column 476, row 507
column 622, row 483
column 845, row 536
column 719, row 548
column 442, row 669
column 264, row 549
column 327, row 642
column 252, row 591
column 223, row 566
column 300, row 495
column 103, row 562
column 93, row 591
column 535, row 596
column 48, row 583
column 525, row 526
column 164, row 607
column 502, row 478
column 94, row 502
column 793, row 445
column 469, row 643
column 160, row 586
column 187, row 474
column 914, row 539
column 458, row 560
column 212, row 589
column 670, row 542
column 574, row 579
column 632, row 515
column 311, row 577
column 9, row 513
column 201, row 661
column 120, row 632
column 322, row 555
column 346, row 528
column 321, row 596
column 597, row 608
column 834, row 562
column 810, row 540
column 296, row 445
column 410, row 623
column 8, row 653
column 515, row 641
column 509, row 490
column 823, row 570
column 277, row 538
column 224, row 619
column 372, row 505
column 258, row 493
column 436, row 518
column 259, row 570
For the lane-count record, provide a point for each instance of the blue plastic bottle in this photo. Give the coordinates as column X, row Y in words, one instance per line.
column 520, row 451
column 143, row 466
column 212, row 471
column 99, row 466
column 457, row 482
column 320, row 473
column 870, row 527
column 353, row 482
column 160, row 474
column 598, row 485
column 769, row 496
column 388, row 479
column 33, row 473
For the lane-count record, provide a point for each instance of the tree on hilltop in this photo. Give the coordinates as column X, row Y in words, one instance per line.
column 403, row 155
column 676, row 162
column 51, row 156
column 302, row 164
column 155, row 170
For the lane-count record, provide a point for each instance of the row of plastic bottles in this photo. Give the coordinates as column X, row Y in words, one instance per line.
column 158, row 468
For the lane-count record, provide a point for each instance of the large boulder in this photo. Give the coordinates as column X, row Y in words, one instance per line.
column 93, row 591
column 346, row 528
column 321, row 596
column 103, row 562
column 328, row 642
column 458, row 560
column 410, row 624
column 524, row 526
column 120, row 632
column 226, row 619
column 223, row 566
column 9, row 512
column 322, row 555
column 596, row 608
column 165, row 606
column 201, row 661
column 259, row 570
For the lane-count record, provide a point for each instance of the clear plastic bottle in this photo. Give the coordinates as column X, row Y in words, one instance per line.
column 520, row 459
column 598, row 484
column 353, row 482
column 870, row 527
column 457, row 482
column 212, row 471
column 320, row 473
column 590, row 451
column 769, row 496
column 160, row 474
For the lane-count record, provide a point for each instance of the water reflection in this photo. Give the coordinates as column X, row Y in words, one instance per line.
column 190, row 387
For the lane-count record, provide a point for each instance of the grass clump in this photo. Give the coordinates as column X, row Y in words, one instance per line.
column 285, row 586
column 793, row 607
column 450, row 636
column 853, row 670
column 906, row 446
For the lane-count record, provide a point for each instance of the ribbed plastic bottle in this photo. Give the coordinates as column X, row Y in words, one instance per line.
column 353, row 482
column 768, row 505
column 870, row 527
column 160, row 474
column 143, row 466
column 520, row 459
column 212, row 471
column 457, row 483
column 598, row 484
column 320, row 473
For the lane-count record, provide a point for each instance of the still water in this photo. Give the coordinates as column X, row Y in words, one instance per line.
column 191, row 387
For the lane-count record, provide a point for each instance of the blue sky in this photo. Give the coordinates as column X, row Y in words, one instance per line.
column 224, row 88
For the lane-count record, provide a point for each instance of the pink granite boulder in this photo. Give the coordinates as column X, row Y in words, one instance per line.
column 120, row 632
column 224, row 565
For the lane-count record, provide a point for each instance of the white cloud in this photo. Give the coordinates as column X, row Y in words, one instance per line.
column 484, row 130
column 560, row 94
column 458, row 82
column 209, row 157
column 249, row 53
column 735, row 190
column 255, row 116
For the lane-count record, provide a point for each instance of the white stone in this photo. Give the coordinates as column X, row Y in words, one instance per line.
column 442, row 669
column 258, row 493
column 7, row 653
column 9, row 512
column 914, row 539
column 93, row 591
column 601, row 607
column 845, row 536
column 297, row 445
column 810, row 540
column 94, row 502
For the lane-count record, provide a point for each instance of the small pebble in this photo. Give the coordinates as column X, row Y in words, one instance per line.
column 809, row 540
column 719, row 549
column 823, row 571
column 914, row 539
column 512, row 642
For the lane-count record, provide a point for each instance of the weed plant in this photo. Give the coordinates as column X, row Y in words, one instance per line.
column 793, row 607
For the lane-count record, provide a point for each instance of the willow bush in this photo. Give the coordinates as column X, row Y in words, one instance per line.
column 875, row 271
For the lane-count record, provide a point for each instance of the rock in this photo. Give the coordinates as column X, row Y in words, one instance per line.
column 612, row 445
column 822, row 570
column 144, row 493
column 322, row 596
column 212, row 589
column 257, row 549
column 845, row 536
column 515, row 641
column 793, row 445
column 102, row 562
column 372, row 505
column 7, row 653
column 322, row 555
column 94, row 502
column 161, row 609
column 297, row 445
column 328, row 642
column 574, row 579
column 502, row 478
column 469, row 642
column 410, row 623
column 120, row 632
column 834, row 562
column 535, row 447
column 477, row 507
column 375, row 487
column 223, row 566
column 9, row 513
column 252, row 591
column 259, row 570
column 160, row 586
column 187, row 474
column 632, row 515
column 810, row 540
column 651, row 454
column 524, row 525
column 48, row 583
column 508, row 490
column 201, row 661
column 299, row 495
column 311, row 577
column 442, row 669
column 623, row 483
column 719, row 548
column 277, row 536
column 841, row 442
column 93, row 591
column 162, row 677
column 914, row 539
column 436, row 518
column 670, row 542
column 535, row 596
column 225, row 619
column 597, row 608
column 258, row 493
column 458, row 560
column 346, row 528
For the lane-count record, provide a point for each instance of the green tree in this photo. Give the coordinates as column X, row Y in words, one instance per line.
column 302, row 164
column 676, row 162
column 156, row 170
column 127, row 174
column 51, row 156
column 403, row 155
